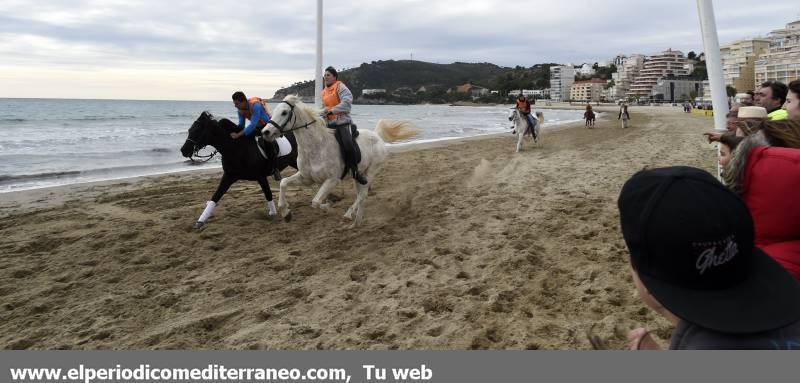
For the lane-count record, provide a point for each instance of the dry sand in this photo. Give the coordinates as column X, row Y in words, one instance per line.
column 465, row 245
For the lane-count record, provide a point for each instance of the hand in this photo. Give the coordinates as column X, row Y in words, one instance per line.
column 640, row 339
column 236, row 135
column 713, row 136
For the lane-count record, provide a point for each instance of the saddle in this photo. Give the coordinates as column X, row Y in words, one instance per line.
column 266, row 147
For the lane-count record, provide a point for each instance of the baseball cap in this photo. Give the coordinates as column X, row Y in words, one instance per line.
column 691, row 243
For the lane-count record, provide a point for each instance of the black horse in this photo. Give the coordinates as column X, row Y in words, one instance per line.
column 241, row 158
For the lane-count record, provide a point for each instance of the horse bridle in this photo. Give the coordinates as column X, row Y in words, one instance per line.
column 196, row 148
column 292, row 117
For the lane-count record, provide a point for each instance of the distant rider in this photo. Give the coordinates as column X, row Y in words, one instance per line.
column 524, row 107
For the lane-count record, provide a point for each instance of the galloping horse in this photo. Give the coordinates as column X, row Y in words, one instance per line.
column 241, row 159
column 319, row 159
column 521, row 127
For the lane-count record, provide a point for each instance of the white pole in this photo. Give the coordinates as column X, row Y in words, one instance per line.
column 318, row 78
column 708, row 28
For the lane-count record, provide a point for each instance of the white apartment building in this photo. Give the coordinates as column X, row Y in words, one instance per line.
column 739, row 60
column 531, row 93
column 561, row 79
column 657, row 66
column 586, row 70
column 372, row 91
column 627, row 69
column 782, row 60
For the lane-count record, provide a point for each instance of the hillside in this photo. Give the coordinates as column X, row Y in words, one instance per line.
column 405, row 76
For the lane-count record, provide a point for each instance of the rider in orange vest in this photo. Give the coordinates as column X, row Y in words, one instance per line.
column 255, row 110
column 524, row 107
column 337, row 98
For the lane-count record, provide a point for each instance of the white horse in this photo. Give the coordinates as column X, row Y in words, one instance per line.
column 319, row 159
column 521, row 127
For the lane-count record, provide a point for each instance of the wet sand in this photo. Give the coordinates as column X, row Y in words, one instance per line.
column 466, row 245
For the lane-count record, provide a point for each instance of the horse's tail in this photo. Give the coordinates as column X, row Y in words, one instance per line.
column 391, row 131
column 539, row 122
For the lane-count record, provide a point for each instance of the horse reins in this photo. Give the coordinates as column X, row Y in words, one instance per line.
column 293, row 117
column 196, row 150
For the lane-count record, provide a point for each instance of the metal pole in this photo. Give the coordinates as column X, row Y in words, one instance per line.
column 708, row 28
column 318, row 78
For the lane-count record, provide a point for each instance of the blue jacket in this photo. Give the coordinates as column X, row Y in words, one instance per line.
column 258, row 114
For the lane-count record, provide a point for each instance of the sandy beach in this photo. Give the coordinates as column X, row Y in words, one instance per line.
column 466, row 245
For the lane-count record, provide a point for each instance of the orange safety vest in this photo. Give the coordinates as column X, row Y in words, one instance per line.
column 330, row 98
column 524, row 106
column 251, row 102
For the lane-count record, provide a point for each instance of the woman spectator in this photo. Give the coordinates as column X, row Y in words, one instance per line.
column 792, row 104
column 765, row 171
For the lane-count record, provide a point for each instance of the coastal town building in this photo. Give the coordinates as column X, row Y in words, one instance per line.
column 561, row 79
column 474, row 91
column 589, row 90
column 782, row 60
column 586, row 70
column 367, row 92
column 675, row 89
column 655, row 67
column 531, row 93
column 627, row 69
column 739, row 61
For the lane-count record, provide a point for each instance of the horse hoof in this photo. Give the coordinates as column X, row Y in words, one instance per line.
column 198, row 225
column 288, row 217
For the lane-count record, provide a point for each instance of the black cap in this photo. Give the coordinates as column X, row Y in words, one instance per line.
column 691, row 243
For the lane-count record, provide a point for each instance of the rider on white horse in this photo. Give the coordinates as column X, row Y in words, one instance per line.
column 524, row 107
column 337, row 98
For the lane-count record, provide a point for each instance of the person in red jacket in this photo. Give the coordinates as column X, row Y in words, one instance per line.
column 765, row 171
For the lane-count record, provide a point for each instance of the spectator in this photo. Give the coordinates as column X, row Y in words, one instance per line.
column 739, row 121
column 727, row 144
column 749, row 117
column 772, row 96
column 783, row 133
column 748, row 100
column 693, row 261
column 792, row 104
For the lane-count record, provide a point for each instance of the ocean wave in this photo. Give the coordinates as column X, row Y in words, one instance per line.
column 8, row 178
column 134, row 170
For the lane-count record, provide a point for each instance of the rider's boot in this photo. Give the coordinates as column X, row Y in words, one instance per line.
column 358, row 176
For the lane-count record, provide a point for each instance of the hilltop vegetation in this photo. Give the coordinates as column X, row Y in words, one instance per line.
column 408, row 81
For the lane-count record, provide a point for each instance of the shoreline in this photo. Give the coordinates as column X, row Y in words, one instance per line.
column 393, row 148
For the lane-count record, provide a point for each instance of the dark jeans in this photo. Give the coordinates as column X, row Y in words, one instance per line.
column 350, row 152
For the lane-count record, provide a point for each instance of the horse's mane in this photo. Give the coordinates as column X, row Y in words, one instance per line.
column 309, row 112
column 227, row 125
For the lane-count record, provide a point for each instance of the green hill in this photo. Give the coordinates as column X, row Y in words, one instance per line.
column 405, row 78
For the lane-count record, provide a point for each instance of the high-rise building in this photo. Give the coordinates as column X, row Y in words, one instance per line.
column 782, row 60
column 657, row 66
column 561, row 79
column 627, row 69
column 739, row 60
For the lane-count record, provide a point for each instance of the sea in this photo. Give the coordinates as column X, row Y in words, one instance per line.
column 52, row 142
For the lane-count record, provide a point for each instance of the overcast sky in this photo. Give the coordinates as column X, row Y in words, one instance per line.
column 204, row 50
